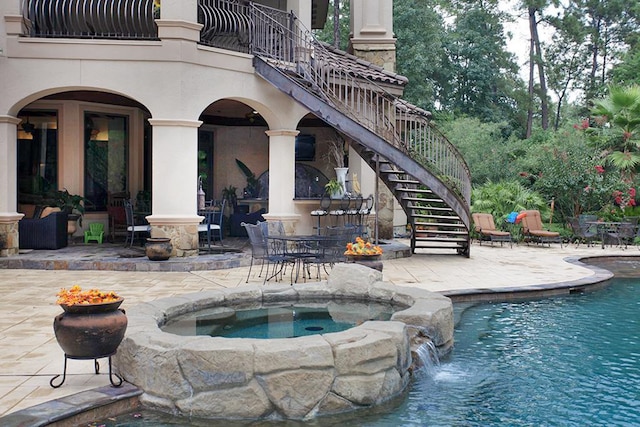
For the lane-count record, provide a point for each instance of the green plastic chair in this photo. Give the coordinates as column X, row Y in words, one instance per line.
column 95, row 232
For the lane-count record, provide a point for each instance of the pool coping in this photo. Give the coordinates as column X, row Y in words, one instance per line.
column 542, row 290
column 66, row 411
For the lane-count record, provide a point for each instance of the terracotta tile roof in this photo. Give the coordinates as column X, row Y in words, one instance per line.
column 359, row 67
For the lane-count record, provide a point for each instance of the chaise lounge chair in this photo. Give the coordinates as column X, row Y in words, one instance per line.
column 486, row 229
column 533, row 231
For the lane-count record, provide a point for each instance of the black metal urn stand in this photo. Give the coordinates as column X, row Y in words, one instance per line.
column 96, row 366
column 90, row 332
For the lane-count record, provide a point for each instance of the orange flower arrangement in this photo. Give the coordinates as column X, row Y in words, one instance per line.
column 360, row 247
column 76, row 296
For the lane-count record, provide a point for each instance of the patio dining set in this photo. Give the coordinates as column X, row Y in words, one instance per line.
column 277, row 251
column 588, row 229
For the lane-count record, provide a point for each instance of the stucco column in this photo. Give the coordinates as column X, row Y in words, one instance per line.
column 282, row 177
column 372, row 32
column 175, row 184
column 9, row 239
column 179, row 20
column 302, row 9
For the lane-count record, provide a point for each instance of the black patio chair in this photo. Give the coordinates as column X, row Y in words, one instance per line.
column 582, row 232
column 624, row 233
column 132, row 227
column 267, row 251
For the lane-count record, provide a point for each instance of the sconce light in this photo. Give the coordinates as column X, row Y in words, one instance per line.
column 28, row 127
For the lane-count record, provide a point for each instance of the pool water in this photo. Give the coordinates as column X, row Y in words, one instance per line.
column 280, row 321
column 566, row 361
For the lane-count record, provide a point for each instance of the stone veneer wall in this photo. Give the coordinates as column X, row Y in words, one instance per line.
column 9, row 244
column 296, row 378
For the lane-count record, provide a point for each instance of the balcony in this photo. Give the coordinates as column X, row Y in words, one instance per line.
column 226, row 24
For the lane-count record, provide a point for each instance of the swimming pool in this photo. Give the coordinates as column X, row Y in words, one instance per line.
column 570, row 361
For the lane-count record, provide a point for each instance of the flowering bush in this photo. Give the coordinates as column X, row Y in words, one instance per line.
column 360, row 247
column 76, row 295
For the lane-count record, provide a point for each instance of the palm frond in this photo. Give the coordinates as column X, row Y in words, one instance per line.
column 245, row 169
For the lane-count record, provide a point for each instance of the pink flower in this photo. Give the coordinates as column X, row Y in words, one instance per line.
column 632, row 192
column 599, row 169
column 583, row 125
column 587, row 188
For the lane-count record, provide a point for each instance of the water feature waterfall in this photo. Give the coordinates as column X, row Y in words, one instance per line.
column 426, row 356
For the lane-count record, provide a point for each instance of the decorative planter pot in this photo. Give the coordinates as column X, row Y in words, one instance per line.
column 341, row 177
column 90, row 331
column 371, row 261
column 72, row 225
column 158, row 248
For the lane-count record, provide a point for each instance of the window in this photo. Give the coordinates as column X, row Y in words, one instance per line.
column 37, row 154
column 106, row 153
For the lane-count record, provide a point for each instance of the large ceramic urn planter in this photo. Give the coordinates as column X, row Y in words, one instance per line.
column 371, row 261
column 72, row 225
column 90, row 331
column 158, row 248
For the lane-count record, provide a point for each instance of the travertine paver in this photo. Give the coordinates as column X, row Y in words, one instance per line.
column 30, row 355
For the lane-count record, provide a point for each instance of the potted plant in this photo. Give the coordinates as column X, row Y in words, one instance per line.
column 91, row 326
column 334, row 188
column 335, row 155
column 364, row 253
column 72, row 204
column 229, row 194
column 252, row 190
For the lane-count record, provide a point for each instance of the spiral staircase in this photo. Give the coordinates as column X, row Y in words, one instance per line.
column 424, row 171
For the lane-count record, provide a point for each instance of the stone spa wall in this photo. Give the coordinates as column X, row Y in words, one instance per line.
column 297, row 378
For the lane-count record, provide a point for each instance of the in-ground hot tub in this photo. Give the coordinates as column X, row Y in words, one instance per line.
column 301, row 377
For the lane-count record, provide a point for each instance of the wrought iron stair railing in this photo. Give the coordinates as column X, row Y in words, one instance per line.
column 387, row 128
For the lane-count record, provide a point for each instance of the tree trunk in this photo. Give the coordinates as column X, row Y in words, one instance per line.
column 595, row 46
column 336, row 24
column 531, row 86
column 544, row 100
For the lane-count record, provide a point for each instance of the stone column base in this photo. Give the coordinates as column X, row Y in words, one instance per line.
column 384, row 208
column 9, row 237
column 182, row 230
column 382, row 55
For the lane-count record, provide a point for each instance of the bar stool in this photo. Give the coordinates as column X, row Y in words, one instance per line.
column 353, row 212
column 339, row 213
column 365, row 210
column 323, row 210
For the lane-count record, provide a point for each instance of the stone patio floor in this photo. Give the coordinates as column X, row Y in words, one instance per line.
column 30, row 355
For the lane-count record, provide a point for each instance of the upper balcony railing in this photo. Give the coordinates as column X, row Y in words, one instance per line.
column 93, row 19
column 225, row 24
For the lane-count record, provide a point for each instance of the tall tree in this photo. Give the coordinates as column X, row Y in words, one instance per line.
column 420, row 55
column 609, row 23
column 339, row 13
column 627, row 72
column 483, row 72
column 534, row 7
column 567, row 59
